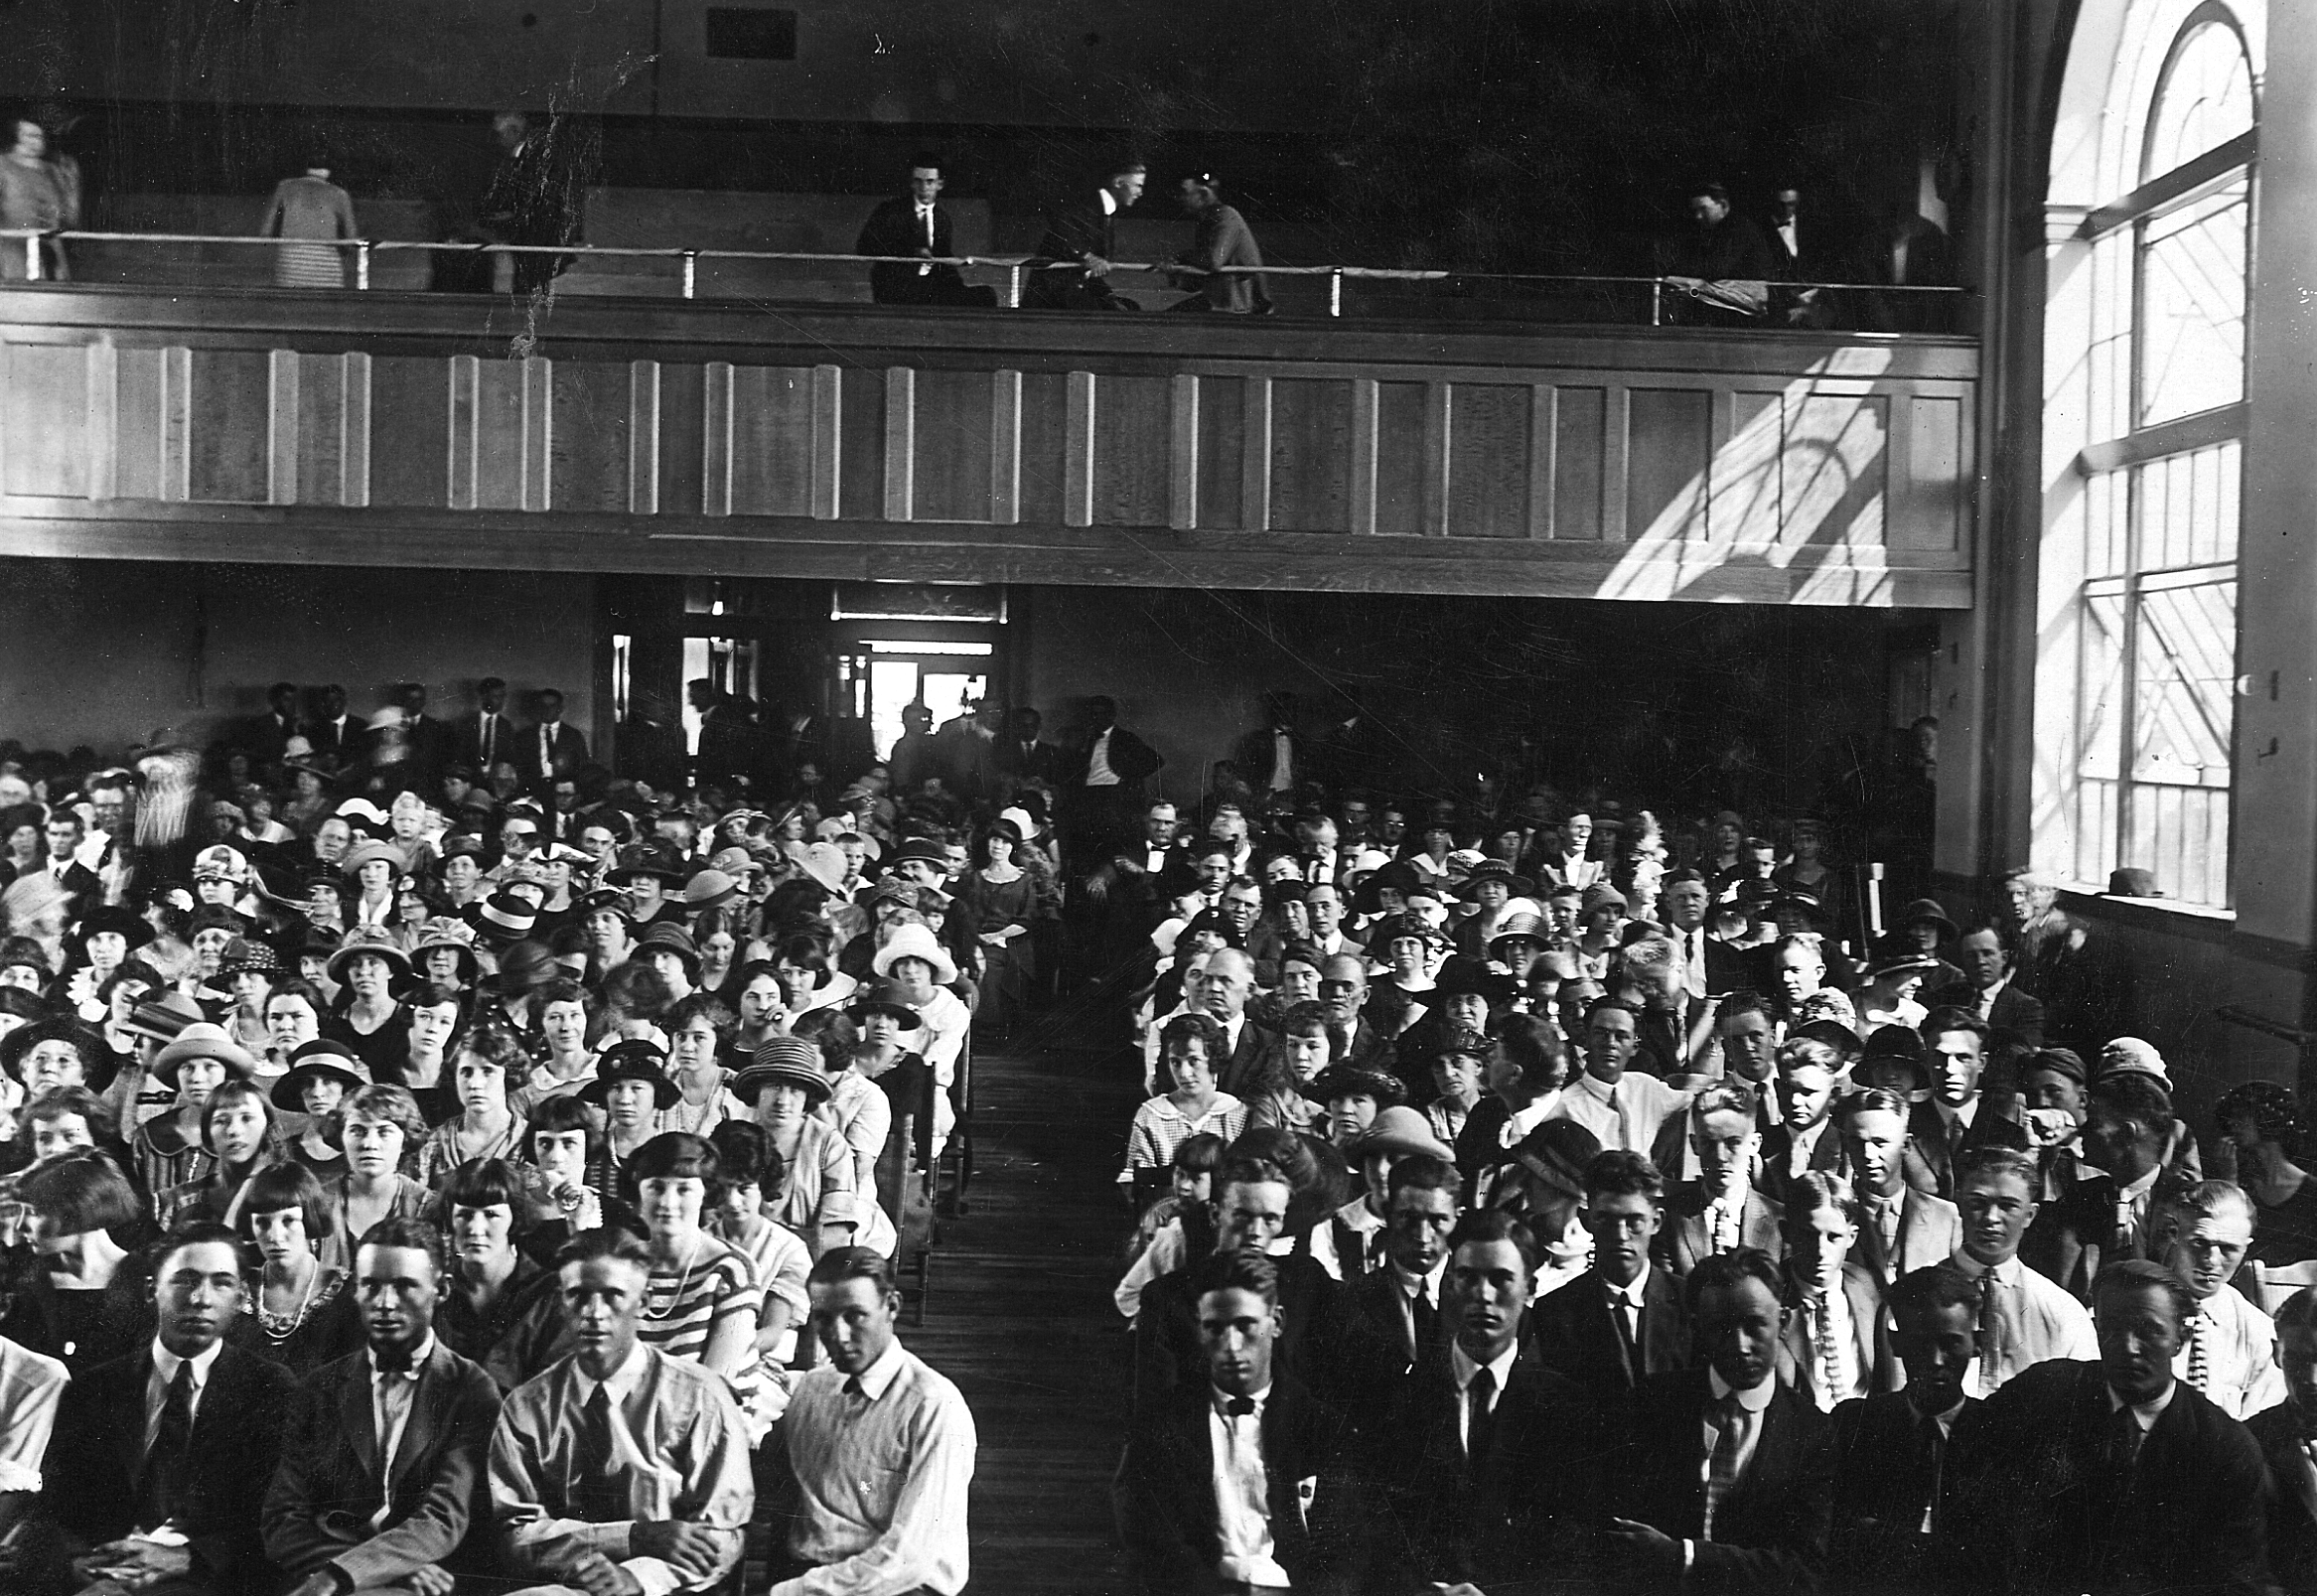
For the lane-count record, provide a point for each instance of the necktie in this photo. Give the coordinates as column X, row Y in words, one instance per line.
column 1829, row 1369
column 1423, row 1320
column 1725, row 1224
column 1721, row 1470
column 1886, row 1223
column 595, row 1496
column 1934, row 1440
column 1480, row 1421
column 2127, row 1242
column 547, row 749
column 2199, row 1355
column 1990, row 1336
column 2124, row 1443
column 162, row 1479
column 489, row 741
column 1617, row 1113
column 1628, row 1337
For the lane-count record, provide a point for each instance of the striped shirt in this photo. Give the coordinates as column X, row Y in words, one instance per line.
column 683, row 1306
column 440, row 1153
column 882, row 1462
column 1161, row 1126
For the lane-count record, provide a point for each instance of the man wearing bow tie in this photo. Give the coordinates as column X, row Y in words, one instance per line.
column 386, row 1448
column 915, row 226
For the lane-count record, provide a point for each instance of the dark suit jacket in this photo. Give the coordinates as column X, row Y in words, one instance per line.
column 1317, row 1329
column 1163, row 1496
column 2016, row 1014
column 1870, row 1342
column 327, row 1489
column 1929, row 1229
column 1376, row 1298
column 892, row 229
column 1770, row 1532
column 1259, row 751
column 1574, row 1334
column 2292, row 1508
column 1777, row 1142
column 2072, row 1235
column 2036, row 1504
column 1883, row 1483
column 466, row 740
column 267, row 738
column 1039, row 762
column 331, row 741
column 1129, row 756
column 1518, row 1512
column 1682, row 1239
column 1927, row 1133
column 90, row 1477
column 1073, row 233
column 1244, row 1070
column 571, row 753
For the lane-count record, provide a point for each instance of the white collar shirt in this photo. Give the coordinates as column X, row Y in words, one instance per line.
column 1751, row 1404
column 157, row 1384
column 2036, row 1321
column 1243, row 1493
column 391, row 1396
column 2240, row 1355
column 1500, row 1369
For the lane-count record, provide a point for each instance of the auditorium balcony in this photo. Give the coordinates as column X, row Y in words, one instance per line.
column 674, row 410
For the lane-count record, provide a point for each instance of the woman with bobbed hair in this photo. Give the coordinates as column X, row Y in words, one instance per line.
column 87, row 1298
column 2260, row 1146
column 701, row 1301
column 297, row 1312
column 498, row 1308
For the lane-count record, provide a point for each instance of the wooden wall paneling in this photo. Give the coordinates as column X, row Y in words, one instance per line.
column 1927, row 473
column 1314, row 457
column 953, row 454
column 860, row 460
column 1133, row 424
column 1049, row 400
column 45, row 420
column 1400, row 436
column 539, row 431
column 1005, row 448
column 717, row 432
column 1077, row 451
column 784, row 441
column 1616, row 448
column 1583, row 466
column 281, row 428
column 825, row 482
column 136, row 426
column 1493, row 461
column 1668, row 463
column 643, row 437
column 1748, row 488
column 422, row 414
column 1183, row 452
column 321, row 429
column 1255, row 455
column 103, row 409
column 357, row 375
column 1367, row 423
column 1222, row 450
column 1544, row 459
column 1836, row 468
column 498, row 429
column 176, row 423
column 680, row 471
column 228, row 432
column 1432, row 461
column 900, row 442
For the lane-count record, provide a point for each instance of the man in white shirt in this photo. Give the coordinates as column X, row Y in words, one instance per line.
column 1622, row 1110
column 2023, row 1319
column 2230, row 1354
column 881, row 1447
column 1234, row 1484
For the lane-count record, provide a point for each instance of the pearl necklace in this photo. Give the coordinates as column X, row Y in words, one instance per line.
column 690, row 1257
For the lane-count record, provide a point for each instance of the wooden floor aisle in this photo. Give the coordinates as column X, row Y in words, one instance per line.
column 1020, row 1317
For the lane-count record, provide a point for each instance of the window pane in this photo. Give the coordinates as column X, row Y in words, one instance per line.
column 2192, row 308
column 2204, row 100
column 2184, row 681
column 2100, row 695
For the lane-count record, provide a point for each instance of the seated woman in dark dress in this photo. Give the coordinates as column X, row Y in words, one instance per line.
column 296, row 1311
column 2261, row 1137
column 87, row 1298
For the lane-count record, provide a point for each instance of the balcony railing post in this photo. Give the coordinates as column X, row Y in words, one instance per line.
column 32, row 258
column 1336, row 292
column 691, row 274
column 361, row 264
column 1014, row 286
column 1656, row 302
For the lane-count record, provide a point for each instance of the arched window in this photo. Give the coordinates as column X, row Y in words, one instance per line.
column 2139, row 558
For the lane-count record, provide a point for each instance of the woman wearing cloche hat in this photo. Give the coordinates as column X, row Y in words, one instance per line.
column 785, row 1083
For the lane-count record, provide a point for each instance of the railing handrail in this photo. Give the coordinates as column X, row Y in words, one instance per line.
column 688, row 260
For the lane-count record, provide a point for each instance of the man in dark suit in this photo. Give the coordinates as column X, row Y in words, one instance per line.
column 482, row 739
column 1749, row 1509
column 1272, row 756
column 425, row 738
column 1806, row 1138
column 1890, row 1448
column 549, row 750
column 2111, row 1475
column 1489, row 1457
column 1957, row 1116
column 1224, row 988
column 2288, row 1435
column 1236, row 1479
column 335, row 736
column 2112, row 1215
column 271, row 733
column 1084, row 234
column 185, row 1432
column 1720, row 1211
column 1620, row 1321
column 1900, row 1228
column 1986, row 953
column 1351, row 1039
column 915, row 224
column 1251, row 1212
column 1021, row 756
column 1400, row 1303
column 356, row 1507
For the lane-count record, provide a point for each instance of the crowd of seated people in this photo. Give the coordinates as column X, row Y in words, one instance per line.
column 1573, row 1206
column 412, row 1186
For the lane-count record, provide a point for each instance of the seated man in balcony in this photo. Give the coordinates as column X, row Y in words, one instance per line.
column 1717, row 270
column 1223, row 240
column 915, row 224
column 1085, row 235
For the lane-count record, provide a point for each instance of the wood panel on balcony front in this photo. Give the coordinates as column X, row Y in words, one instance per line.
column 1635, row 462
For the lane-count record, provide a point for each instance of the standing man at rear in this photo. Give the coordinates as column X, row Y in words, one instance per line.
column 916, row 226
column 880, row 1447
